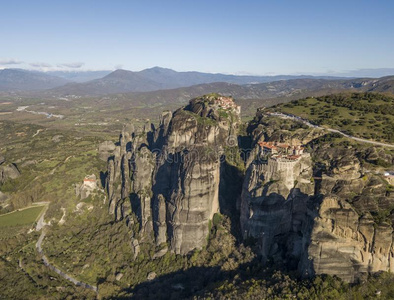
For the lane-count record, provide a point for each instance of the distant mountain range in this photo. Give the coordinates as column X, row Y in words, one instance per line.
column 23, row 80
column 79, row 76
column 293, row 88
column 120, row 81
column 123, row 81
column 156, row 80
column 249, row 96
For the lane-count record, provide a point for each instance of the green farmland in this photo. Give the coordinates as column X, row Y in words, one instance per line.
column 21, row 217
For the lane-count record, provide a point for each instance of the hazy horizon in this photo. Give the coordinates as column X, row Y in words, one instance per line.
column 373, row 73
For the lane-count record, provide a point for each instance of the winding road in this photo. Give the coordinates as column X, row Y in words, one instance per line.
column 41, row 226
column 306, row 122
column 40, row 223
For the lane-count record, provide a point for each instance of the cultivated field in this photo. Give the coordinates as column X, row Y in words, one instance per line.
column 21, row 217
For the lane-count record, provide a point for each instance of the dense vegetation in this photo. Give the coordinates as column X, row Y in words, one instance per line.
column 224, row 269
column 366, row 115
column 51, row 162
column 22, row 273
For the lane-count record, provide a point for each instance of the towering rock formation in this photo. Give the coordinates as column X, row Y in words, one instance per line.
column 169, row 176
column 308, row 204
column 319, row 213
column 349, row 231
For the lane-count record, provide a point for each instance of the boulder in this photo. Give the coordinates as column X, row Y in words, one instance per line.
column 8, row 171
column 106, row 149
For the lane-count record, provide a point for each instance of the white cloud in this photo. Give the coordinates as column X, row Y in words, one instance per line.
column 117, row 67
column 10, row 61
column 40, row 65
column 72, row 65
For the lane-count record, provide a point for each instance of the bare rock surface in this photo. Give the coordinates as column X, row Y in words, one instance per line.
column 169, row 176
column 8, row 171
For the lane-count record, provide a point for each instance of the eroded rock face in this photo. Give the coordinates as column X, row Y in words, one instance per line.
column 321, row 214
column 169, row 176
column 274, row 205
column 105, row 150
column 345, row 244
column 8, row 171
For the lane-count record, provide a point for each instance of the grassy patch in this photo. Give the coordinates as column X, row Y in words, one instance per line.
column 22, row 217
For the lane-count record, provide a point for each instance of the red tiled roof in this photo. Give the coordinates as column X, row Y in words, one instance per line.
column 267, row 145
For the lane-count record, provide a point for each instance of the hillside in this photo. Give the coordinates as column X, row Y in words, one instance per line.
column 384, row 85
column 122, row 81
column 79, row 76
column 172, row 79
column 365, row 115
column 252, row 96
column 22, row 80
column 119, row 81
column 161, row 79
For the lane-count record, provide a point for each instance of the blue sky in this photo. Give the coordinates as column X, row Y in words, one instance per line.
column 239, row 37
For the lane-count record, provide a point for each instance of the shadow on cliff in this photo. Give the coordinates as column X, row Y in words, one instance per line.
column 230, row 189
column 230, row 185
column 103, row 178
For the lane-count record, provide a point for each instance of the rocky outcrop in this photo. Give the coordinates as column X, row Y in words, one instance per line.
column 168, row 177
column 378, row 156
column 8, row 171
column 345, row 244
column 320, row 214
column 3, row 197
column 105, row 150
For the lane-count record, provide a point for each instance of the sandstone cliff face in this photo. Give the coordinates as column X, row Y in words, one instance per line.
column 321, row 214
column 345, row 244
column 169, row 176
column 273, row 206
column 351, row 233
